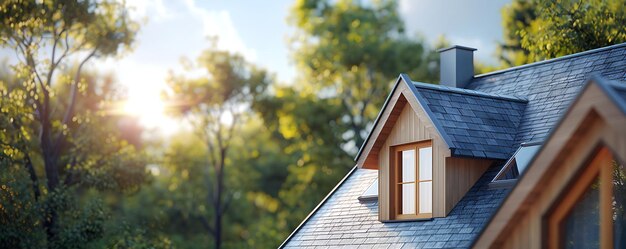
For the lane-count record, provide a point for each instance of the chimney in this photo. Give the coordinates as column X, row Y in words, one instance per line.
column 456, row 67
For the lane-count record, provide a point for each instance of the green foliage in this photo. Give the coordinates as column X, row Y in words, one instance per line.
column 76, row 26
column 516, row 17
column 55, row 124
column 542, row 29
column 352, row 52
column 20, row 215
column 216, row 105
column 98, row 157
column 310, row 133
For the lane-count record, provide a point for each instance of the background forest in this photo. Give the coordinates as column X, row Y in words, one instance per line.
column 77, row 172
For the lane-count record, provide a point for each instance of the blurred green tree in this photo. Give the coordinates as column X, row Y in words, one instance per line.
column 96, row 157
column 516, row 16
column 541, row 29
column 353, row 51
column 47, row 123
column 215, row 106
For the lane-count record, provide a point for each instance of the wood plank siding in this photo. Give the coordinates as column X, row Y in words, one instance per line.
column 461, row 175
column 409, row 128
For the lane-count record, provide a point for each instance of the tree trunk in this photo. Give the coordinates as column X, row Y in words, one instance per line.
column 218, row 205
column 52, row 176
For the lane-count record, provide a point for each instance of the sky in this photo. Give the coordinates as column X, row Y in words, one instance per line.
column 258, row 30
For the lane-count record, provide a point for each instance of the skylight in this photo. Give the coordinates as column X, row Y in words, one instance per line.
column 371, row 193
column 517, row 164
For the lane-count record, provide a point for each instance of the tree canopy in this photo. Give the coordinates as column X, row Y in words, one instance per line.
column 541, row 29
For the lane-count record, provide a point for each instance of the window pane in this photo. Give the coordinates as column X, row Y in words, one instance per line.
column 524, row 155
column 619, row 205
column 426, row 197
column 372, row 190
column 408, row 198
column 426, row 164
column 408, row 166
column 581, row 226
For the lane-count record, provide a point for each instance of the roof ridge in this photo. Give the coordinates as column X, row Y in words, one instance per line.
column 470, row 92
column 565, row 57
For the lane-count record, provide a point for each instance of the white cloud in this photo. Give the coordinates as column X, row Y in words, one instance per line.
column 153, row 9
column 219, row 23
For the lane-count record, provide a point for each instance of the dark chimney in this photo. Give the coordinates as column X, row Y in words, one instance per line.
column 456, row 66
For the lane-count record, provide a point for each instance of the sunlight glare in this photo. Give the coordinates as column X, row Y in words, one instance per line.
column 150, row 109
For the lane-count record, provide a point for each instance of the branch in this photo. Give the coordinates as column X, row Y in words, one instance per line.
column 74, row 92
column 53, row 61
column 210, row 149
column 231, row 129
column 67, row 46
column 206, row 225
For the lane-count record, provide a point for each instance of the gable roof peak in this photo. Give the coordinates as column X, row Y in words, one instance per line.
column 469, row 92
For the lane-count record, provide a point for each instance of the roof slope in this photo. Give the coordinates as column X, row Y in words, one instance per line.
column 344, row 221
column 550, row 86
column 478, row 124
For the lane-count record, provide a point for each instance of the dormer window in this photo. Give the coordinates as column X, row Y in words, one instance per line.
column 432, row 143
column 413, row 178
column 371, row 193
column 515, row 166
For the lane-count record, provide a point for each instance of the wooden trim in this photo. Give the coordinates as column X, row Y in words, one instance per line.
column 606, row 199
column 571, row 196
column 599, row 168
column 396, row 180
column 406, row 220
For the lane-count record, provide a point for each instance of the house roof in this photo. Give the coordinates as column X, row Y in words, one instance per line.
column 344, row 221
column 548, row 88
column 478, row 124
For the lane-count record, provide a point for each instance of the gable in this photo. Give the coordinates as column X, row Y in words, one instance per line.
column 596, row 119
column 470, row 123
column 411, row 126
column 418, row 126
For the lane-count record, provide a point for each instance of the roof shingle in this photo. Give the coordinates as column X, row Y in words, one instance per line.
column 344, row 221
column 478, row 124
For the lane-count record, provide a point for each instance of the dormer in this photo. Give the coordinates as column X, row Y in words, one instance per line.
column 431, row 143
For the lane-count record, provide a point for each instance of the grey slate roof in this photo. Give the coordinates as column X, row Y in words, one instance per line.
column 549, row 86
column 477, row 124
column 344, row 222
